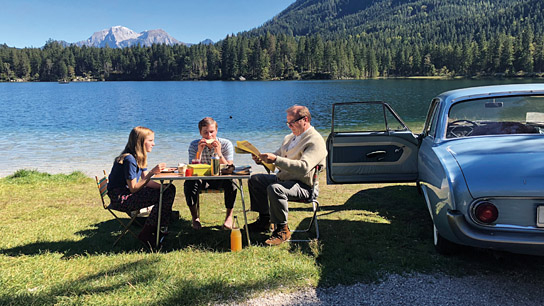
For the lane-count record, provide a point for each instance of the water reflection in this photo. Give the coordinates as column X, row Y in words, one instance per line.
column 83, row 126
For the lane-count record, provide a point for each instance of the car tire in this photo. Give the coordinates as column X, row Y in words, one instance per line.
column 442, row 245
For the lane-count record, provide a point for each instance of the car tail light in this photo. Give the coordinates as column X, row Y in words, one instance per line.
column 486, row 212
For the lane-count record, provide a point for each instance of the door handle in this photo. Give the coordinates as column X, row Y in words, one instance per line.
column 375, row 154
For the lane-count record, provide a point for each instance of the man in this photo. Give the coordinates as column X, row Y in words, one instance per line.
column 296, row 159
column 204, row 149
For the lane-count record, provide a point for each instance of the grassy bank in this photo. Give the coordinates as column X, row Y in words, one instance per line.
column 56, row 247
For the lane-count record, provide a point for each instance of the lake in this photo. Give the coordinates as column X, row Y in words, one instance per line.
column 60, row 128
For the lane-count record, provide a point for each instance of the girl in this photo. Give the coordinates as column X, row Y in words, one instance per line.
column 130, row 188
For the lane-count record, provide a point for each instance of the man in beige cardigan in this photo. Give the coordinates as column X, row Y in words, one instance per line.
column 296, row 159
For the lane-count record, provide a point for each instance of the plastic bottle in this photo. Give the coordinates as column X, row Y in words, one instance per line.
column 235, row 237
column 215, row 164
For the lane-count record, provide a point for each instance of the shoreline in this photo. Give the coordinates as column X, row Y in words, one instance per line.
column 414, row 77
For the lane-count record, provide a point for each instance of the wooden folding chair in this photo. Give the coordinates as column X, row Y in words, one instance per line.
column 315, row 205
column 103, row 190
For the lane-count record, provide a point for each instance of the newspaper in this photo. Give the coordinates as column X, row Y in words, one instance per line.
column 245, row 147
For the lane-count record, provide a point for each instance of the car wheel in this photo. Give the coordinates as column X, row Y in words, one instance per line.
column 442, row 245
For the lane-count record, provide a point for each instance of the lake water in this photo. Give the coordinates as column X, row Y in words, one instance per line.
column 59, row 128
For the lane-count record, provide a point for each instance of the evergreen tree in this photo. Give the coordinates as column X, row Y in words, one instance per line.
column 325, row 39
column 372, row 64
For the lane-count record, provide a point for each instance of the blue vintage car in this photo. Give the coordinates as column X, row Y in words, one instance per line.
column 479, row 162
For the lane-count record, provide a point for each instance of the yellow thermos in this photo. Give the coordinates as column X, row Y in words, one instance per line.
column 235, row 237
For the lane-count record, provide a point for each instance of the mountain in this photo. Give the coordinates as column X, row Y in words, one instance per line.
column 439, row 21
column 207, row 41
column 120, row 37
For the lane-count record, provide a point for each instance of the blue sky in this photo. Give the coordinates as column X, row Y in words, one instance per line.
column 30, row 23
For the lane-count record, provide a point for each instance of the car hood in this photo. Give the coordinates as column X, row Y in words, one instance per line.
column 500, row 166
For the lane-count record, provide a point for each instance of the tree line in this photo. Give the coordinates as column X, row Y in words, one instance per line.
column 436, row 21
column 281, row 57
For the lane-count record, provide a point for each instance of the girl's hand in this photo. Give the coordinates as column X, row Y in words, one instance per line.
column 158, row 168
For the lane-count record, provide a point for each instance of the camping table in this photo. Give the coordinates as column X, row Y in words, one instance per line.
column 166, row 179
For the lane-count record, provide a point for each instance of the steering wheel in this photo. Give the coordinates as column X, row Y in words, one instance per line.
column 462, row 130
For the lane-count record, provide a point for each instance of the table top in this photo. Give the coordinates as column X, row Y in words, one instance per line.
column 176, row 176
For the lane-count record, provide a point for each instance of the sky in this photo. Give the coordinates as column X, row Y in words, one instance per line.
column 30, row 23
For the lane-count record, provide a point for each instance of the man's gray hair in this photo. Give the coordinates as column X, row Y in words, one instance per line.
column 300, row 111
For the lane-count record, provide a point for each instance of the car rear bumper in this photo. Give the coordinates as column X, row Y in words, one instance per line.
column 518, row 241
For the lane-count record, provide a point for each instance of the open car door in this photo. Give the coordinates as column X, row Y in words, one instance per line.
column 369, row 143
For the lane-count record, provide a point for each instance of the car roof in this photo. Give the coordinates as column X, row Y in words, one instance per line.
column 453, row 96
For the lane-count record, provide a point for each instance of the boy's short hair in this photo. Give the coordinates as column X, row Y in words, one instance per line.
column 206, row 122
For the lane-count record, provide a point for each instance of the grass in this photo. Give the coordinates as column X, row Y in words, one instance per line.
column 56, row 247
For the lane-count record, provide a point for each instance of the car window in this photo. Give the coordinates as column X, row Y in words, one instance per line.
column 393, row 124
column 496, row 116
column 430, row 124
column 365, row 117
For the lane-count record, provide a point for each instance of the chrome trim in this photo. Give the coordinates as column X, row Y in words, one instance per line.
column 519, row 227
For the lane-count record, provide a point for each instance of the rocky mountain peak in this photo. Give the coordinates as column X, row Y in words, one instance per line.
column 120, row 37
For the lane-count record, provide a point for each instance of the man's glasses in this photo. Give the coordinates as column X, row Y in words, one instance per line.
column 289, row 124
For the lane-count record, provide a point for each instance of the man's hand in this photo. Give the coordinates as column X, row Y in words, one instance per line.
column 256, row 159
column 268, row 158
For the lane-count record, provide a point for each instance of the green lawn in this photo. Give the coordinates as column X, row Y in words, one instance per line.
column 56, row 247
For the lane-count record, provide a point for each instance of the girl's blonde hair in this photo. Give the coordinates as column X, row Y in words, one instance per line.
column 135, row 146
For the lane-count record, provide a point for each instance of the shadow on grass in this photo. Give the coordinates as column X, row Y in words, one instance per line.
column 132, row 276
column 99, row 239
column 351, row 251
column 190, row 292
column 132, row 273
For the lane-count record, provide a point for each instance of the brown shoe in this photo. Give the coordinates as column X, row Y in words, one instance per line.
column 281, row 234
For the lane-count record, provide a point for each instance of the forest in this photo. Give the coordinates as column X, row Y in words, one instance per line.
column 421, row 38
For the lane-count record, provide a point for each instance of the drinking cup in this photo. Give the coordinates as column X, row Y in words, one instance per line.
column 189, row 172
column 182, row 168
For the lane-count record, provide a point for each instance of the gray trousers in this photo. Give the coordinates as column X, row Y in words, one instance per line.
column 270, row 196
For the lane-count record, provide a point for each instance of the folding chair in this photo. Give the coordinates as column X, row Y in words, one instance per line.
column 103, row 190
column 315, row 205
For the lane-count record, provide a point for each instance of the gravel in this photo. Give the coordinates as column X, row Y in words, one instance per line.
column 417, row 289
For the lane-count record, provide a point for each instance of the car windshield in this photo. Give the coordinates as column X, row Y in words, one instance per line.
column 496, row 116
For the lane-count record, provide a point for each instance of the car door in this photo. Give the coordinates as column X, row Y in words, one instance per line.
column 369, row 143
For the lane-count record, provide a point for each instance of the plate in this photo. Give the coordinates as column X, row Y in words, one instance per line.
column 169, row 170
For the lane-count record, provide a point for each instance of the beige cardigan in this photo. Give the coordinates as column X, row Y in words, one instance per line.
column 297, row 163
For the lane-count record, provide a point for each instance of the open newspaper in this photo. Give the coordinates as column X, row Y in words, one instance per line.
column 245, row 147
